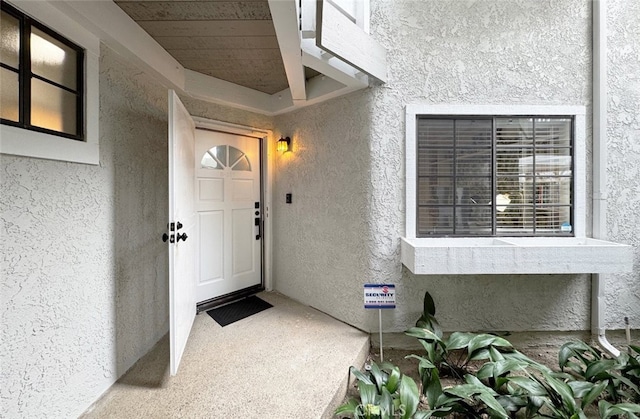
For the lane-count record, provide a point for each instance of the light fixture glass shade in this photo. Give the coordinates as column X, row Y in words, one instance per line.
column 283, row 144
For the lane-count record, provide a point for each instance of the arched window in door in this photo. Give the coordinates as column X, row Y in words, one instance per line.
column 225, row 156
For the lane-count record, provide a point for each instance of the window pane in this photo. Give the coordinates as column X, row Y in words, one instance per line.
column 9, row 98
column 553, row 132
column 474, row 220
column 435, row 133
column 470, row 162
column 514, row 132
column 53, row 60
column 208, row 162
column 435, row 162
column 435, row 221
column 52, row 108
column 9, row 40
column 242, row 165
column 220, row 153
column 234, row 155
column 435, row 191
column 473, row 133
column 473, row 190
column 238, row 161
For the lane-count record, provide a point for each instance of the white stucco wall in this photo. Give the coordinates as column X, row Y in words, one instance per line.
column 623, row 171
column 84, row 273
column 346, row 172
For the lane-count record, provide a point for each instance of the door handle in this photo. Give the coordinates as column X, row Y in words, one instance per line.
column 259, row 224
column 182, row 237
column 166, row 237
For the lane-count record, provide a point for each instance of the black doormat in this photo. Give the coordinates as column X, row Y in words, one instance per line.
column 233, row 312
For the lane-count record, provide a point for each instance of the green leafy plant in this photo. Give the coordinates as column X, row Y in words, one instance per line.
column 384, row 393
column 617, row 378
column 494, row 380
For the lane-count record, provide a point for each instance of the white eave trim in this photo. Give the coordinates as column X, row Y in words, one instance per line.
column 117, row 30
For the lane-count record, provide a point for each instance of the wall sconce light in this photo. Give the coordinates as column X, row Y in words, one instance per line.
column 284, row 144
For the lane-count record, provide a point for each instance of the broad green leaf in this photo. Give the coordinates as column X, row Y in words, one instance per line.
column 599, row 369
column 480, row 354
column 508, row 365
column 473, row 380
column 628, row 407
column 492, row 403
column 409, row 396
column 534, row 405
column 348, row 408
column 378, row 376
column 563, row 390
column 393, row 380
column 433, row 389
column 565, row 352
column 480, row 341
column 580, row 388
column 419, row 333
column 502, row 342
column 368, row 393
column 486, row 371
column 512, row 403
column 604, row 408
column 608, row 410
column 429, row 306
column 464, row 391
column 532, row 387
column 430, row 348
column 495, row 355
column 424, row 362
column 386, row 404
column 458, row 340
column 593, row 394
column 360, row 376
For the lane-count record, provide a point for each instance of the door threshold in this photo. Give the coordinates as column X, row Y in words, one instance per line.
column 227, row 298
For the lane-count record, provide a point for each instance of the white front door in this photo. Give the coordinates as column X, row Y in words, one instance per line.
column 229, row 213
column 182, row 234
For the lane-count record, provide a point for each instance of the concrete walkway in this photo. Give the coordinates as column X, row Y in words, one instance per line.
column 289, row 361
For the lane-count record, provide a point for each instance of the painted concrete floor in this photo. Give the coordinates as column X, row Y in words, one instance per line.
column 289, row 361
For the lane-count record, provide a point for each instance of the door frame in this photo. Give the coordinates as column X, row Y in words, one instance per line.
column 267, row 155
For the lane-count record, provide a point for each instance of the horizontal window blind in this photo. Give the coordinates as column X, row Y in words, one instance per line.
column 494, row 176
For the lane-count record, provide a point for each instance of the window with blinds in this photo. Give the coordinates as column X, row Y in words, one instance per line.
column 494, row 176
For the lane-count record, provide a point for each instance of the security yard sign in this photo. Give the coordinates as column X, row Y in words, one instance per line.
column 379, row 296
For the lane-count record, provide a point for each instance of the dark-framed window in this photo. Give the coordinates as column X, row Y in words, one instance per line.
column 494, row 176
column 41, row 77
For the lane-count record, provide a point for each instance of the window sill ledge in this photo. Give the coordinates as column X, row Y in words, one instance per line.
column 526, row 255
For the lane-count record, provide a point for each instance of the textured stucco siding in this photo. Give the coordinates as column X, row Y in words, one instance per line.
column 623, row 145
column 84, row 274
column 346, row 172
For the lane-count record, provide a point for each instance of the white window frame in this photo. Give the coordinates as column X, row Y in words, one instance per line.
column 23, row 142
column 579, row 175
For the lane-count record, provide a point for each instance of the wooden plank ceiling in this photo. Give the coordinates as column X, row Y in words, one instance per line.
column 230, row 40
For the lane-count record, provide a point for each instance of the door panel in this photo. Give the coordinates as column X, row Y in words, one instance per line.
column 228, row 172
column 211, row 189
column 243, row 238
column 242, row 189
column 182, row 253
column 211, row 237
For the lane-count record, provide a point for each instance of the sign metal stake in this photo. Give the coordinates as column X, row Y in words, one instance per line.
column 380, row 328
